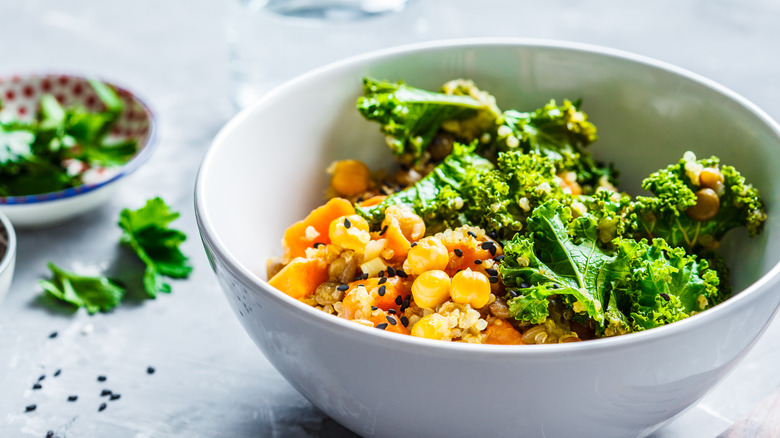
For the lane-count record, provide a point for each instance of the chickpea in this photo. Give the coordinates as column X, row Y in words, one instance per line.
column 711, row 178
column 350, row 177
column 706, row 207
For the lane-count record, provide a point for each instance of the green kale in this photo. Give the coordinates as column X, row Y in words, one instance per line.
column 147, row 233
column 412, row 117
column 34, row 155
column 437, row 197
column 670, row 214
column 560, row 133
column 93, row 293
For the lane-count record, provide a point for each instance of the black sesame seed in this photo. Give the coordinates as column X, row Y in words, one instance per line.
column 374, row 307
column 318, row 244
column 390, row 271
column 493, row 235
column 478, row 261
column 401, row 273
column 356, row 278
column 381, row 291
column 102, row 406
column 342, row 287
column 382, row 326
column 391, row 311
column 384, row 230
column 50, row 434
column 514, row 293
column 105, row 392
column 57, row 373
column 150, row 370
column 347, row 223
column 41, row 377
column 493, row 279
column 555, row 286
column 73, row 398
column 458, row 252
column 101, row 378
column 665, row 296
column 30, row 408
column 525, row 285
column 405, row 321
column 399, row 300
column 491, row 272
column 490, row 246
column 499, row 258
column 52, row 335
column 391, row 320
column 382, row 279
column 472, row 234
column 413, row 244
column 364, row 276
column 359, row 200
column 37, row 386
column 115, row 397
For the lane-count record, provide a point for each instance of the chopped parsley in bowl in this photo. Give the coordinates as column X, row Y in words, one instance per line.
column 63, row 141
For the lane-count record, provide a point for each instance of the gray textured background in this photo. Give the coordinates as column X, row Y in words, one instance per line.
column 210, row 379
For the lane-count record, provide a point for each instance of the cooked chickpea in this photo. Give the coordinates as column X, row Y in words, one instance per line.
column 431, row 289
column 433, row 326
column 349, row 232
column 706, row 207
column 411, row 225
column 350, row 177
column 711, row 178
column 429, row 254
column 470, row 287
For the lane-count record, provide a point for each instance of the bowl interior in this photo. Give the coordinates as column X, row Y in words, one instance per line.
column 266, row 169
column 20, row 95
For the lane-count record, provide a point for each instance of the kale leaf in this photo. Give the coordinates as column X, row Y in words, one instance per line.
column 93, row 293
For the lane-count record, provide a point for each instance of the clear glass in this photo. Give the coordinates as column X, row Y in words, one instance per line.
column 271, row 41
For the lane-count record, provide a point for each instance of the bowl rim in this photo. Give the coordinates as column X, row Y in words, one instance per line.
column 10, row 250
column 211, row 240
column 134, row 163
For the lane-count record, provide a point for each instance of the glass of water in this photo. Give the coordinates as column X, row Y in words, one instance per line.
column 271, row 41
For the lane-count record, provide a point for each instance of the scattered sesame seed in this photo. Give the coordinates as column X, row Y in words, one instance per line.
column 665, row 296
column 478, row 261
column 499, row 258
column 57, row 373
column 514, row 293
column 555, row 286
column 115, row 397
column 30, row 408
column 493, row 279
column 72, row 398
column 399, row 300
column 525, row 285
column 101, row 378
column 342, row 287
column 401, row 273
column 413, row 244
column 50, row 434
column 391, row 320
column 150, row 370
column 105, row 392
column 490, row 246
column 318, row 244
column 102, row 406
column 52, row 335
column 384, row 230
column 382, row 326
column 381, row 291
column 391, row 311
column 405, row 321
column 347, row 223
column 41, row 377
column 458, row 252
column 37, row 386
column 492, row 272
column 382, row 279
column 472, row 234
column 390, row 271
column 374, row 307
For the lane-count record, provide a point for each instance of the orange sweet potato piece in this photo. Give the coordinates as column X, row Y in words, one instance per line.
column 374, row 200
column 395, row 242
column 296, row 239
column 502, row 332
column 300, row 278
column 389, row 323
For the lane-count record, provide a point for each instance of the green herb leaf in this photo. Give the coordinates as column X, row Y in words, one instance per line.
column 93, row 293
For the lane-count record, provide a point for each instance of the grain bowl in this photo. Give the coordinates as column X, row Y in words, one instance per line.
column 264, row 171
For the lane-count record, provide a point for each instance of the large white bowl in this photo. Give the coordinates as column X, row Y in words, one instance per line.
column 265, row 170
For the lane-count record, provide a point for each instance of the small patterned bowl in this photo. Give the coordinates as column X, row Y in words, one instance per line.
column 7, row 255
column 20, row 95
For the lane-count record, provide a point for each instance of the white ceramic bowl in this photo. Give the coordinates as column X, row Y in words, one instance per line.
column 20, row 95
column 7, row 255
column 265, row 170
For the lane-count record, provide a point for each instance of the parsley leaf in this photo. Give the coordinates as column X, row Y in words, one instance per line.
column 146, row 232
column 94, row 293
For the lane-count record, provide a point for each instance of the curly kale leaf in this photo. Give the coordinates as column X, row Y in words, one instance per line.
column 663, row 284
column 561, row 133
column 437, row 197
column 667, row 214
column 411, row 117
column 501, row 200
